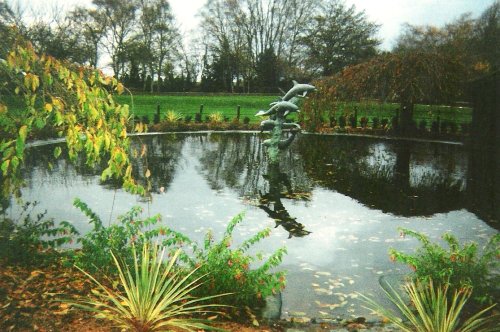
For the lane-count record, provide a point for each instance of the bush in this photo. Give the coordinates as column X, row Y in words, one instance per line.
column 375, row 122
column 197, row 118
column 101, row 241
column 435, row 127
column 363, row 122
column 246, row 120
column 172, row 116
column 460, row 267
column 342, row 121
column 188, row 118
column 353, row 121
column 22, row 242
column 422, row 125
column 229, row 269
column 152, row 295
column 384, row 123
column 433, row 308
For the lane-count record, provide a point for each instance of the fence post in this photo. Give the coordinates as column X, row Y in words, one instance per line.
column 238, row 112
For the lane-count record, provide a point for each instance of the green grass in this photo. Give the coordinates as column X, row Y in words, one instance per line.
column 190, row 104
column 251, row 104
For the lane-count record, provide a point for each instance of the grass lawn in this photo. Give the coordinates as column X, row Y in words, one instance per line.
column 190, row 104
column 250, row 104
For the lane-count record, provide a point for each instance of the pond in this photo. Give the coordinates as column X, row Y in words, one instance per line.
column 335, row 202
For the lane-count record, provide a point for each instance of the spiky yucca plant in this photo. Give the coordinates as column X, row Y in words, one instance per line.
column 172, row 116
column 432, row 309
column 155, row 296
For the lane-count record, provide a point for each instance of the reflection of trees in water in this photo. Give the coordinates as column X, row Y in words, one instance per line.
column 158, row 154
column 238, row 162
column 402, row 177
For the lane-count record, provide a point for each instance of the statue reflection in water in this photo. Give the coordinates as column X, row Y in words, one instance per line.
column 277, row 121
column 271, row 202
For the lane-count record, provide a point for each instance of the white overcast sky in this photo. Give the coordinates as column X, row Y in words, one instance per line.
column 390, row 14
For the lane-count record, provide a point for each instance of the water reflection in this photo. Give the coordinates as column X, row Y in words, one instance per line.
column 334, row 202
column 277, row 180
column 403, row 178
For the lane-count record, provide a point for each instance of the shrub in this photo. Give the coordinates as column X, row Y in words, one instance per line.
column 433, row 309
column 459, row 266
column 101, row 241
column 395, row 123
column 197, row 117
column 384, row 123
column 172, row 116
column 22, row 242
column 435, row 127
column 215, row 118
column 422, row 125
column 246, row 120
column 375, row 122
column 353, row 121
column 155, row 295
column 229, row 269
column 363, row 122
column 342, row 121
column 188, row 118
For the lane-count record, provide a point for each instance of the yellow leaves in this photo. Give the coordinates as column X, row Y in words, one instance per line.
column 148, row 173
column 123, row 133
column 99, row 123
column 31, row 81
column 119, row 88
column 3, row 108
column 139, row 127
column 48, row 107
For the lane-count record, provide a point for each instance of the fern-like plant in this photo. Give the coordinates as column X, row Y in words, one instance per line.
column 433, row 309
column 231, row 268
column 155, row 296
column 458, row 265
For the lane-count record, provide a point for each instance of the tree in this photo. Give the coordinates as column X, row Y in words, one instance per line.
column 268, row 71
column 41, row 92
column 403, row 77
column 88, row 26
column 487, row 36
column 119, row 19
column 339, row 37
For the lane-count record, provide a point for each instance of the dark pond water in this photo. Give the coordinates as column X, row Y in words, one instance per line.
column 335, row 202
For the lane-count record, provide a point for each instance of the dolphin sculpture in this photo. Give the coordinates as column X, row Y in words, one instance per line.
column 270, row 124
column 282, row 144
column 278, row 106
column 298, row 90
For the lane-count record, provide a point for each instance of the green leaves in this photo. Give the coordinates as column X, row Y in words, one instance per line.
column 156, row 295
column 433, row 309
column 459, row 266
column 74, row 101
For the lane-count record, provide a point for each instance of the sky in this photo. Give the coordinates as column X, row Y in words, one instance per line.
column 389, row 14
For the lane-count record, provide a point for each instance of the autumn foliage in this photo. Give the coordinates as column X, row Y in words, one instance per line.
column 39, row 92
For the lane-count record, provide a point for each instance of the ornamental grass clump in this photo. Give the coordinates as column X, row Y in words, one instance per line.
column 434, row 308
column 152, row 295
